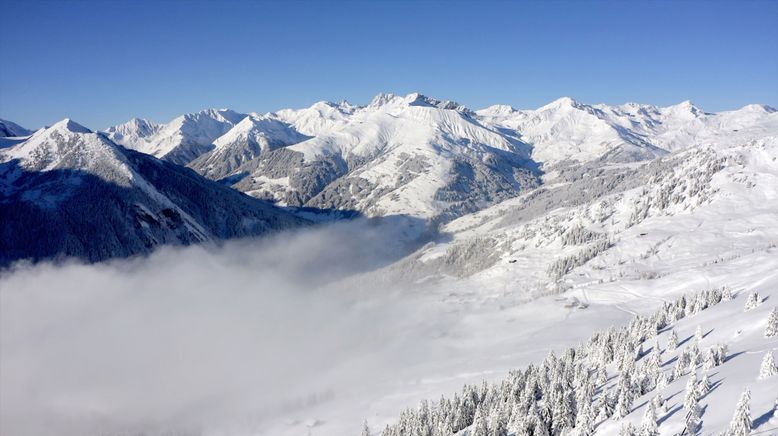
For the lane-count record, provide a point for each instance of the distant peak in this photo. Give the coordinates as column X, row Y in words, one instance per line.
column 70, row 126
column 141, row 122
column 687, row 106
column 761, row 108
column 563, row 102
column 382, row 99
column 323, row 104
column 497, row 109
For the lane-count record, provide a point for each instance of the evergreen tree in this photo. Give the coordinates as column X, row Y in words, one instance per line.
column 753, row 301
column 771, row 329
column 691, row 392
column 498, row 422
column 659, row 403
column 624, row 403
column 741, row 420
column 693, row 419
column 480, row 426
column 627, row 430
column 767, row 369
column 648, row 426
column 672, row 341
column 365, row 429
column 704, row 386
column 698, row 334
column 584, row 422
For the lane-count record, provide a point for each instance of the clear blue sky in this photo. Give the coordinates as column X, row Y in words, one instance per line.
column 104, row 62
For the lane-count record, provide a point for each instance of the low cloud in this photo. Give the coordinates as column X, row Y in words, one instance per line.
column 198, row 340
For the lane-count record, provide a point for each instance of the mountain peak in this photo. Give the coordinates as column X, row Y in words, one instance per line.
column 9, row 128
column 563, row 102
column 497, row 109
column 382, row 99
column 70, row 126
column 687, row 106
column 759, row 108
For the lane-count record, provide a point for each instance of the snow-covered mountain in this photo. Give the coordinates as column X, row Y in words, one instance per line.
column 599, row 245
column 567, row 130
column 179, row 141
column 67, row 191
column 428, row 158
column 551, row 224
column 408, row 155
column 254, row 135
column 8, row 128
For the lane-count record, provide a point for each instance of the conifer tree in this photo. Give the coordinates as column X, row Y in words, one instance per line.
column 480, row 426
column 767, row 369
column 704, row 386
column 624, row 403
column 627, row 430
column 659, row 403
column 584, row 421
column 648, row 426
column 672, row 341
column 693, row 418
column 690, row 397
column 753, row 301
column 771, row 329
column 365, row 429
column 741, row 419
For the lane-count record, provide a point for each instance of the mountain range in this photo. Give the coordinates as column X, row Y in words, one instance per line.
column 69, row 191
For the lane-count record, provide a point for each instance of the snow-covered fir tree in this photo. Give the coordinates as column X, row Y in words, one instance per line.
column 692, row 421
column 672, row 341
column 741, row 420
column 365, row 429
column 771, row 329
column 627, row 429
column 648, row 425
column 480, row 425
column 767, row 368
column 753, row 301
column 704, row 386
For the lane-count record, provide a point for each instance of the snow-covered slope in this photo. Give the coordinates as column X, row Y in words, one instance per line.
column 504, row 286
column 254, row 135
column 411, row 155
column 678, row 370
column 8, row 128
column 67, row 191
column 133, row 133
column 566, row 130
column 617, row 222
column 179, row 141
column 317, row 119
column 423, row 157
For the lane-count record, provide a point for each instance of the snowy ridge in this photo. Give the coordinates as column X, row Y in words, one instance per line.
column 409, row 155
column 54, row 183
column 179, row 141
column 254, row 135
column 616, row 223
column 423, row 157
column 8, row 128
column 643, row 379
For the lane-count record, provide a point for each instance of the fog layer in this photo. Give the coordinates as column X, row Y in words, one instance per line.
column 197, row 340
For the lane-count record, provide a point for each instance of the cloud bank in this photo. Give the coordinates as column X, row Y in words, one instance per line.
column 197, row 340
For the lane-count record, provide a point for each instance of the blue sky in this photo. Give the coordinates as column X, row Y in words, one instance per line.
column 102, row 63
